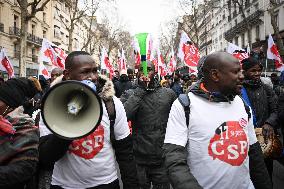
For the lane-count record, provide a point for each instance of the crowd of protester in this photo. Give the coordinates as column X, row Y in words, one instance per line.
column 208, row 143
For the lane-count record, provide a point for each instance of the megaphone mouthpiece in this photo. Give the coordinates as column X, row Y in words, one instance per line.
column 77, row 102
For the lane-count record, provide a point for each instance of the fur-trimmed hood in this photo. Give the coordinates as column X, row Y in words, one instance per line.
column 105, row 86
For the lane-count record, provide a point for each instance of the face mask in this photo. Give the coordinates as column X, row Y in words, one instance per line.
column 5, row 126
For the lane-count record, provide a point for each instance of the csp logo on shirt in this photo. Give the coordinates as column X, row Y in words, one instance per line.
column 89, row 146
column 229, row 144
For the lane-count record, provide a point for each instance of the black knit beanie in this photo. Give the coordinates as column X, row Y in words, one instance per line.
column 15, row 91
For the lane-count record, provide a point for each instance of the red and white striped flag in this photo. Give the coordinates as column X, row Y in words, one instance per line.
column 5, row 64
column 273, row 53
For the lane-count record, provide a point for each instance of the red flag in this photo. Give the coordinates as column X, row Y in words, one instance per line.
column 6, row 65
column 272, row 53
column 191, row 54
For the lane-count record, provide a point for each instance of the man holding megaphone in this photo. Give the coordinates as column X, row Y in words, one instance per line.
column 71, row 109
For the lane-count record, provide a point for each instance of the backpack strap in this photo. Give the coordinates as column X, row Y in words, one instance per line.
column 246, row 108
column 110, row 107
column 185, row 102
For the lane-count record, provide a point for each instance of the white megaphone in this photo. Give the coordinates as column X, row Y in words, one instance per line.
column 72, row 109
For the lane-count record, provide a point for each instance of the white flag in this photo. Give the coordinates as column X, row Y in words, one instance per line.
column 232, row 48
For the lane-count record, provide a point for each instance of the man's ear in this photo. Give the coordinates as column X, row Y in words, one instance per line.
column 215, row 75
column 66, row 74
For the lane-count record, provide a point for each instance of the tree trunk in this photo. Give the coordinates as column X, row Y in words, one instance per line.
column 70, row 45
column 23, row 44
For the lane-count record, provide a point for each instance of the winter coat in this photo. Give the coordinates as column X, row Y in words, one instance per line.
column 121, row 86
column 18, row 151
column 149, row 110
column 264, row 103
column 175, row 156
column 281, row 110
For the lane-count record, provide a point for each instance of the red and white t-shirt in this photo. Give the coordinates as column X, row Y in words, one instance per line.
column 218, row 137
column 90, row 161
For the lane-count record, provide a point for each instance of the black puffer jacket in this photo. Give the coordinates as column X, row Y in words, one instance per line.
column 264, row 103
column 122, row 85
column 149, row 111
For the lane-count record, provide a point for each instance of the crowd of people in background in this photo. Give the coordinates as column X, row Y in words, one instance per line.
column 165, row 146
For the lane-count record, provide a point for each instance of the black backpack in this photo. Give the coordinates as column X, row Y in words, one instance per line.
column 185, row 102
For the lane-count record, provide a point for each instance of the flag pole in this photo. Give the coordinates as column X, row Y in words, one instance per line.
column 265, row 73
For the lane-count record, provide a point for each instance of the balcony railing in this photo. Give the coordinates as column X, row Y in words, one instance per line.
column 30, row 37
column 253, row 19
column 34, row 39
column 1, row 27
column 15, row 31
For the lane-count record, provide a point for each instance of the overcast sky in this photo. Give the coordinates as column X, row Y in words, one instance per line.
column 145, row 15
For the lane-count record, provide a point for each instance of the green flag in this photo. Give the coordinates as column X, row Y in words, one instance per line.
column 142, row 38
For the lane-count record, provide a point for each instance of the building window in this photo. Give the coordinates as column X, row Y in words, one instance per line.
column 44, row 34
column 276, row 18
column 33, row 29
column 237, row 40
column 44, row 17
column 257, row 37
column 243, row 39
column 249, row 36
column 56, row 32
column 16, row 51
column 16, row 21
